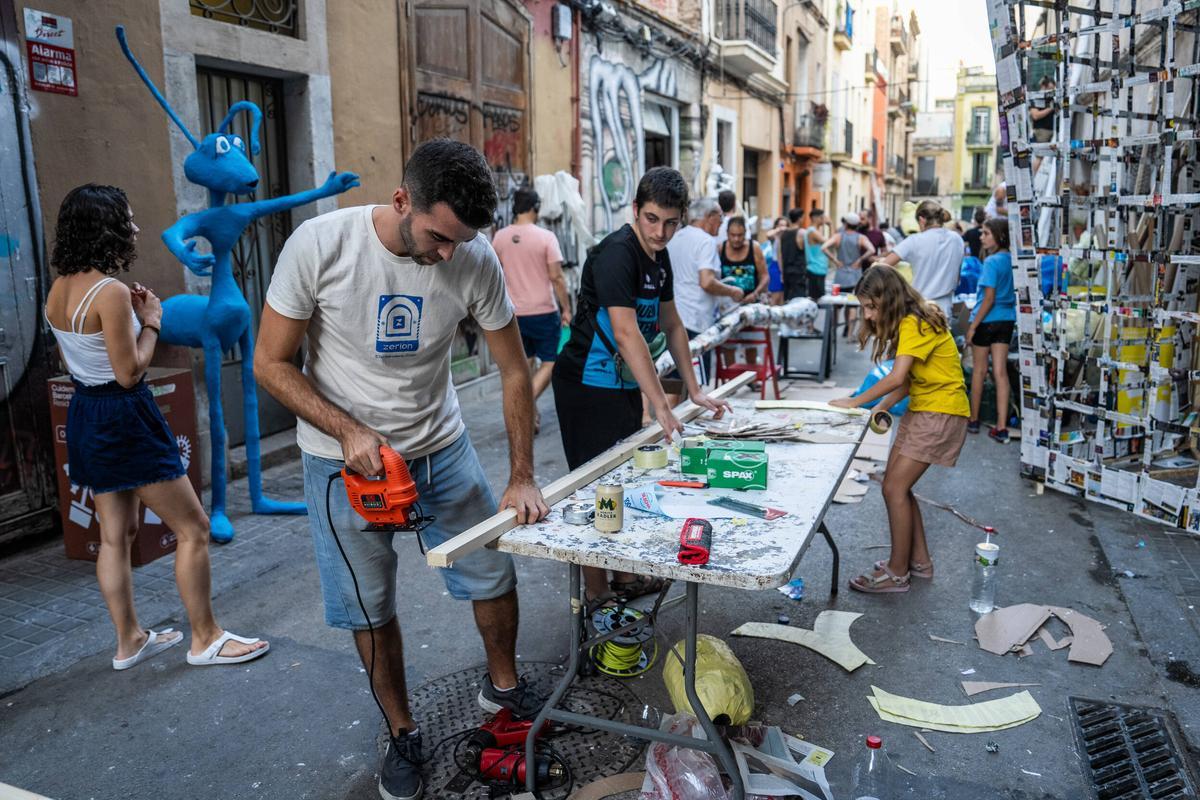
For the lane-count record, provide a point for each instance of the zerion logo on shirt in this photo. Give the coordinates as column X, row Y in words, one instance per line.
column 398, row 326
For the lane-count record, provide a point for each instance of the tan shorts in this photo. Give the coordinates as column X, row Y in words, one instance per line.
column 931, row 437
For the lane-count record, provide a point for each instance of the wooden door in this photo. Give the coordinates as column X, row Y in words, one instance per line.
column 470, row 82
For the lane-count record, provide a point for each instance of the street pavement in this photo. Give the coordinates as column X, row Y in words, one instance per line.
column 300, row 723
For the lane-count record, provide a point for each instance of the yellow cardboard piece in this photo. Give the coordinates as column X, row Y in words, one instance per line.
column 992, row 715
column 830, row 636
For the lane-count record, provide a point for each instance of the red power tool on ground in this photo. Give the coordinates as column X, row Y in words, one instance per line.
column 497, row 752
column 388, row 503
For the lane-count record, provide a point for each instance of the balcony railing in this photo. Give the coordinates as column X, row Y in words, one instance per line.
column 749, row 20
column 926, row 187
column 979, row 137
column 810, row 132
column 899, row 37
column 843, row 32
column 977, row 183
column 897, row 167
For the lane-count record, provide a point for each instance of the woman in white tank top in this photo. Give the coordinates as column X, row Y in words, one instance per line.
column 118, row 444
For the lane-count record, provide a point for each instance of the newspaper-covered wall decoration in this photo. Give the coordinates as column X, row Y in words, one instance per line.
column 1104, row 211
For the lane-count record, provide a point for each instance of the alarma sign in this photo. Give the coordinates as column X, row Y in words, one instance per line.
column 50, row 43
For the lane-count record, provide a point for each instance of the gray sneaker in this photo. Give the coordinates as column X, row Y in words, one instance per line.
column 520, row 699
column 400, row 772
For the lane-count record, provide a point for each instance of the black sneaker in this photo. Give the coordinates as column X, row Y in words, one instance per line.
column 400, row 772
column 520, row 699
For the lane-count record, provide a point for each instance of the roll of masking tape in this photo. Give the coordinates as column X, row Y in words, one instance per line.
column 650, row 456
column 881, row 422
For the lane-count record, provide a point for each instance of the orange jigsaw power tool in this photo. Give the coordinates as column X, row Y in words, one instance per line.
column 388, row 503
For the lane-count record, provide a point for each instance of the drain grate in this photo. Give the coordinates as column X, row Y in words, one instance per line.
column 1130, row 752
column 448, row 704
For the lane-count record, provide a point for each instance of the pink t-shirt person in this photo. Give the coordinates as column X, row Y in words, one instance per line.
column 526, row 251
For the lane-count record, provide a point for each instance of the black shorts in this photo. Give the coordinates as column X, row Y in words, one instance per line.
column 592, row 420
column 816, row 286
column 540, row 334
column 990, row 333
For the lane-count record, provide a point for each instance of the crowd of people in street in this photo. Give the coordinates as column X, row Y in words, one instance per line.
column 645, row 289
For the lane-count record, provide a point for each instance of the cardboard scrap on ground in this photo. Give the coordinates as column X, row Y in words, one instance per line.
column 830, row 636
column 850, row 491
column 944, row 639
column 1011, row 628
column 865, row 466
column 973, row 688
column 992, row 715
column 771, row 769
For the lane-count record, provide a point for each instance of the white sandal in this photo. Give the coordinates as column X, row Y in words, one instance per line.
column 210, row 655
column 156, row 642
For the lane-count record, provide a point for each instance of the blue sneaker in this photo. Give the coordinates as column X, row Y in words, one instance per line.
column 400, row 772
column 999, row 435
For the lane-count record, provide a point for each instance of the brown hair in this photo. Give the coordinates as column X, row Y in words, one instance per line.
column 934, row 213
column 894, row 299
column 998, row 227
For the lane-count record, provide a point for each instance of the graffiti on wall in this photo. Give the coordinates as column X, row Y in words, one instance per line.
column 614, row 132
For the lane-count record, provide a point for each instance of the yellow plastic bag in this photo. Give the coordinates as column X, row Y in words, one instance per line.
column 721, row 682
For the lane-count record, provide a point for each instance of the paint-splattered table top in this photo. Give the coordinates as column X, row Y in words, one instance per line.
column 747, row 552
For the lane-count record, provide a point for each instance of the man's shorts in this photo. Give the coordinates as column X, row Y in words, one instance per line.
column 453, row 489
column 540, row 333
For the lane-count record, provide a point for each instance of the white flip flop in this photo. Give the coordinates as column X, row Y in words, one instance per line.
column 209, row 656
column 156, row 642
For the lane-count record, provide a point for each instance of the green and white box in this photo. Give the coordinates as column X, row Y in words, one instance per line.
column 694, row 453
column 737, row 469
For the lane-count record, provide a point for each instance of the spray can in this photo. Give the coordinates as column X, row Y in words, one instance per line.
column 610, row 507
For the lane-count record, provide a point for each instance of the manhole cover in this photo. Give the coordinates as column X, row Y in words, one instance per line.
column 448, row 705
column 1130, row 752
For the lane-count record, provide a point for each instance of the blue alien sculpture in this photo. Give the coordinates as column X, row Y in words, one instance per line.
column 222, row 319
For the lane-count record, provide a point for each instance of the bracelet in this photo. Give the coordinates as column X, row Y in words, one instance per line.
column 155, row 328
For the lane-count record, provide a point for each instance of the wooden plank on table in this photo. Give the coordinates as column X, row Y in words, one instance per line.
column 496, row 525
column 805, row 405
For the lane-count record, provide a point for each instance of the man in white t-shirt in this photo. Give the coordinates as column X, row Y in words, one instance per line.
column 378, row 292
column 697, row 272
column 935, row 253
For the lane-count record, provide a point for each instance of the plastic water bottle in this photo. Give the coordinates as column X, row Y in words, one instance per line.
column 983, row 589
column 873, row 773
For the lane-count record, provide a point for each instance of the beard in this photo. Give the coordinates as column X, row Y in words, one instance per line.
column 410, row 244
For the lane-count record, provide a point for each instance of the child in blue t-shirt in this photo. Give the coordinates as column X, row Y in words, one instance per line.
column 992, row 324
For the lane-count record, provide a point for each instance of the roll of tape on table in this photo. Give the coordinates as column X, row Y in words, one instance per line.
column 881, row 422
column 579, row 513
column 650, row 456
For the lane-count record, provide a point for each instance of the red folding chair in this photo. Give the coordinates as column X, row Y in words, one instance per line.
column 757, row 340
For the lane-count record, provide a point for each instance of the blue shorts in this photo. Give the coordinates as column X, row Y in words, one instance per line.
column 458, row 495
column 540, row 333
column 117, row 439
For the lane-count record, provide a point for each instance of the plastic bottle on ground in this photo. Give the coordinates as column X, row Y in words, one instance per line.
column 983, row 588
column 872, row 773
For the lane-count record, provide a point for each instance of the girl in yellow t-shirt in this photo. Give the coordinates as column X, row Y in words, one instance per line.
column 915, row 333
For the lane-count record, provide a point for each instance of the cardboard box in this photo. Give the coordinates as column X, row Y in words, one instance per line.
column 693, row 455
column 737, row 469
column 175, row 396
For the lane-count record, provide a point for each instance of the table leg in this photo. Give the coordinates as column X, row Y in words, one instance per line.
column 721, row 750
column 833, row 584
column 576, row 600
column 827, row 335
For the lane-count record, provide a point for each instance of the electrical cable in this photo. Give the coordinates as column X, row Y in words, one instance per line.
column 362, row 606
